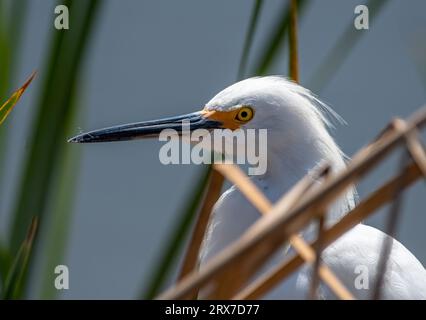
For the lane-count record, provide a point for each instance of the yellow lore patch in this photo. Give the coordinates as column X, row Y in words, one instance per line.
column 232, row 119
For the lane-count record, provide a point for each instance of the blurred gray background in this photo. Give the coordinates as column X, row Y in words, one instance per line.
column 150, row 59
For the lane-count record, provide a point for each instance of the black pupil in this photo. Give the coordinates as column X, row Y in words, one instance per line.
column 244, row 114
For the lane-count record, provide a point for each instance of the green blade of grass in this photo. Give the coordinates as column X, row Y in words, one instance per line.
column 276, row 38
column 18, row 14
column 49, row 129
column 54, row 108
column 4, row 77
column 5, row 109
column 59, row 214
column 175, row 243
column 5, row 263
column 342, row 49
column 257, row 8
column 18, row 270
column 5, row 52
column 8, row 59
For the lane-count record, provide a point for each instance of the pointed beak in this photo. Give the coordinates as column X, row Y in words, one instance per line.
column 148, row 129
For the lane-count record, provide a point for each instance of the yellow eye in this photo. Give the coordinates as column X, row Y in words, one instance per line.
column 244, row 114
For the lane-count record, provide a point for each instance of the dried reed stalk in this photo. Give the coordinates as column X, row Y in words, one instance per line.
column 417, row 151
column 227, row 283
column 192, row 253
column 313, row 291
column 234, row 174
column 390, row 230
column 293, row 58
column 372, row 203
column 266, row 235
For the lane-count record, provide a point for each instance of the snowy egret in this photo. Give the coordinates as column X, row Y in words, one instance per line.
column 298, row 139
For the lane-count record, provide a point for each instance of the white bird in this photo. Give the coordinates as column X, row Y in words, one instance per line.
column 298, row 140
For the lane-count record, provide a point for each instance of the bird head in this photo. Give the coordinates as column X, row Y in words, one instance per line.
column 292, row 116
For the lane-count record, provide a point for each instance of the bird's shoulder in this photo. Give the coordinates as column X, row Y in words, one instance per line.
column 360, row 249
column 232, row 199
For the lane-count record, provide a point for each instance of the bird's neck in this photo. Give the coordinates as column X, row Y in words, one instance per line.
column 233, row 214
column 286, row 166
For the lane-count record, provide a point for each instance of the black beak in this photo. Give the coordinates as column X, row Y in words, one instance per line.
column 147, row 129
